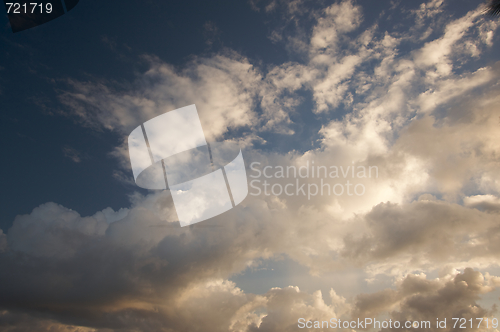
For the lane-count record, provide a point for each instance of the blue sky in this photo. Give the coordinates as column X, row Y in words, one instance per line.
column 411, row 88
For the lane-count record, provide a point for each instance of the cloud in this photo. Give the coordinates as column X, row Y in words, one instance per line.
column 3, row 241
column 437, row 53
column 336, row 20
column 447, row 90
column 211, row 33
column 54, row 231
column 428, row 10
column 144, row 281
column 424, row 235
column 392, row 120
column 137, row 269
column 222, row 87
column 458, row 150
column 134, row 270
column 419, row 299
column 488, row 203
column 425, row 117
column 72, row 154
column 20, row 322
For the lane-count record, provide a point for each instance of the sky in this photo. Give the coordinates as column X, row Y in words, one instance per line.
column 409, row 90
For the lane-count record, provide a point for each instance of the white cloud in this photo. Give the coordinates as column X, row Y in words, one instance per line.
column 336, row 20
column 436, row 54
column 449, row 89
column 223, row 89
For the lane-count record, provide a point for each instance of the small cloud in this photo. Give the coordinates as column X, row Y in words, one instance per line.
column 72, row 154
column 109, row 43
column 253, row 5
column 211, row 33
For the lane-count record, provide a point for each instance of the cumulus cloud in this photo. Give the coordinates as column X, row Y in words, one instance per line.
column 131, row 270
column 172, row 279
column 418, row 116
column 418, row 299
column 439, row 232
column 136, row 269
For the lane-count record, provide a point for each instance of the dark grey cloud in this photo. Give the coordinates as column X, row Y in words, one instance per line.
column 422, row 232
